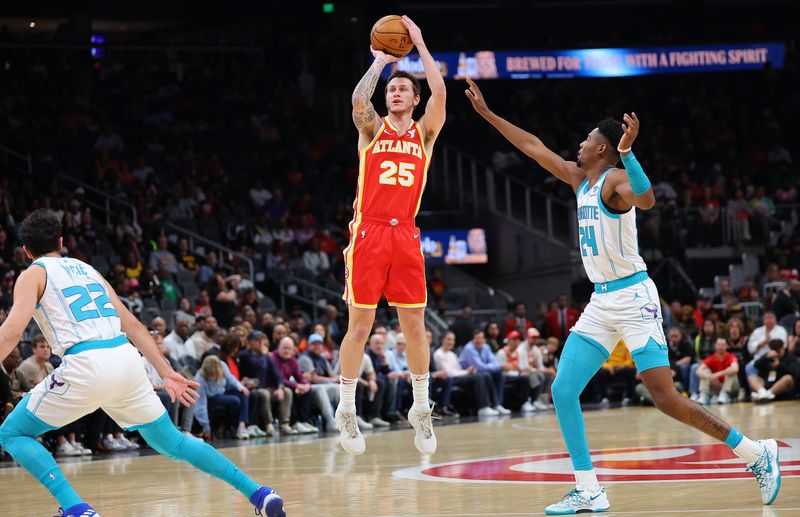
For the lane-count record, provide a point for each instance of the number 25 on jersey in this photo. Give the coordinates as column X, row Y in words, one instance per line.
column 394, row 173
column 588, row 241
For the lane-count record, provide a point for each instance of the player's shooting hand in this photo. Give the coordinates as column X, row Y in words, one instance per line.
column 475, row 96
column 181, row 389
column 413, row 31
column 630, row 128
column 383, row 56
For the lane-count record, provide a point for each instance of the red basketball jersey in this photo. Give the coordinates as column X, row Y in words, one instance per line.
column 393, row 170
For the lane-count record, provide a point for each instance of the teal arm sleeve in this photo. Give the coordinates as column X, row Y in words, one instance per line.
column 640, row 183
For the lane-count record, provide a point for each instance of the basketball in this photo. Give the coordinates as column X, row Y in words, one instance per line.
column 389, row 35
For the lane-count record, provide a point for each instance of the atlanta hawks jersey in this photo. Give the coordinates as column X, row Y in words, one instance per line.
column 74, row 307
column 609, row 242
column 393, row 172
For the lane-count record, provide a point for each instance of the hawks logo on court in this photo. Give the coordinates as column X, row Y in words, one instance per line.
column 675, row 463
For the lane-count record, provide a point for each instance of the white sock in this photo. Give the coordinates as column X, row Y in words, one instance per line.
column 586, row 480
column 748, row 450
column 419, row 385
column 347, row 394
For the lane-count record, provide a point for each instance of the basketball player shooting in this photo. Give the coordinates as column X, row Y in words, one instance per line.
column 384, row 256
column 624, row 305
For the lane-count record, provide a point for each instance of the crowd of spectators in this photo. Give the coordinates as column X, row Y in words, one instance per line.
column 237, row 149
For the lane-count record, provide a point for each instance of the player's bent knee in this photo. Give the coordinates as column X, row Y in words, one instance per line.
column 564, row 392
column 164, row 437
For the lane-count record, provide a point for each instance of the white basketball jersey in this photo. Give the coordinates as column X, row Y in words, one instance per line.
column 74, row 307
column 609, row 242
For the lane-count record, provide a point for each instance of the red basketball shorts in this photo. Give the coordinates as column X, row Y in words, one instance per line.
column 384, row 257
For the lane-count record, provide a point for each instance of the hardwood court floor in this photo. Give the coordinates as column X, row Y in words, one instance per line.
column 391, row 479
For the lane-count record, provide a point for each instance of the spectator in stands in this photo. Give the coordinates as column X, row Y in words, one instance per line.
column 736, row 337
column 13, row 385
column 785, row 301
column 173, row 408
column 519, row 320
column 478, row 355
column 725, row 296
column 329, row 320
column 159, row 324
column 778, row 373
column 222, row 293
column 718, row 375
column 279, row 332
column 186, row 257
column 739, row 212
column 681, row 355
column 517, row 389
column 384, row 405
column 255, row 363
column 259, row 399
column 315, row 260
column 704, row 346
column 463, row 326
column 492, row 334
column 758, row 344
column 162, row 257
column 619, row 367
column 166, row 286
column 38, row 366
column 561, row 319
column 793, row 341
column 476, row 387
column 530, row 353
column 203, row 339
column 294, row 379
column 709, row 209
column 180, row 350
column 324, row 382
column 203, row 306
column 218, row 388
column 705, row 342
column 399, row 372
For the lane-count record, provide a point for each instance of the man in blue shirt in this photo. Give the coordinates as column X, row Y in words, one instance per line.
column 477, row 355
column 324, row 382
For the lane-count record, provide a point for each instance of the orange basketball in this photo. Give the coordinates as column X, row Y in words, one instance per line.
column 389, row 35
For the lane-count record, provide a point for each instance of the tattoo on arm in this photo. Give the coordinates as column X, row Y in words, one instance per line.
column 363, row 111
column 702, row 419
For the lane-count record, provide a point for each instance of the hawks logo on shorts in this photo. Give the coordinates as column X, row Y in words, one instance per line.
column 384, row 256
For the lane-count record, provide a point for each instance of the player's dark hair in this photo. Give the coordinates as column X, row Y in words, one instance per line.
column 612, row 130
column 40, row 232
column 415, row 86
column 776, row 344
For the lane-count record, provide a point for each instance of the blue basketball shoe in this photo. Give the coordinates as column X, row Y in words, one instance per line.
column 78, row 510
column 268, row 503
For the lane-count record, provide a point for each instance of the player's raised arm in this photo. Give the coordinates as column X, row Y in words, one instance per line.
column 364, row 116
column 176, row 385
column 433, row 120
column 27, row 291
column 635, row 189
column 530, row 144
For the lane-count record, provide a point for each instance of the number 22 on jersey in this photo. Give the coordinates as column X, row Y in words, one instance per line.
column 81, row 307
column 588, row 240
column 394, row 173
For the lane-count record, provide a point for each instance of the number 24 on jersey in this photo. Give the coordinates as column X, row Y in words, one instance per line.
column 396, row 173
